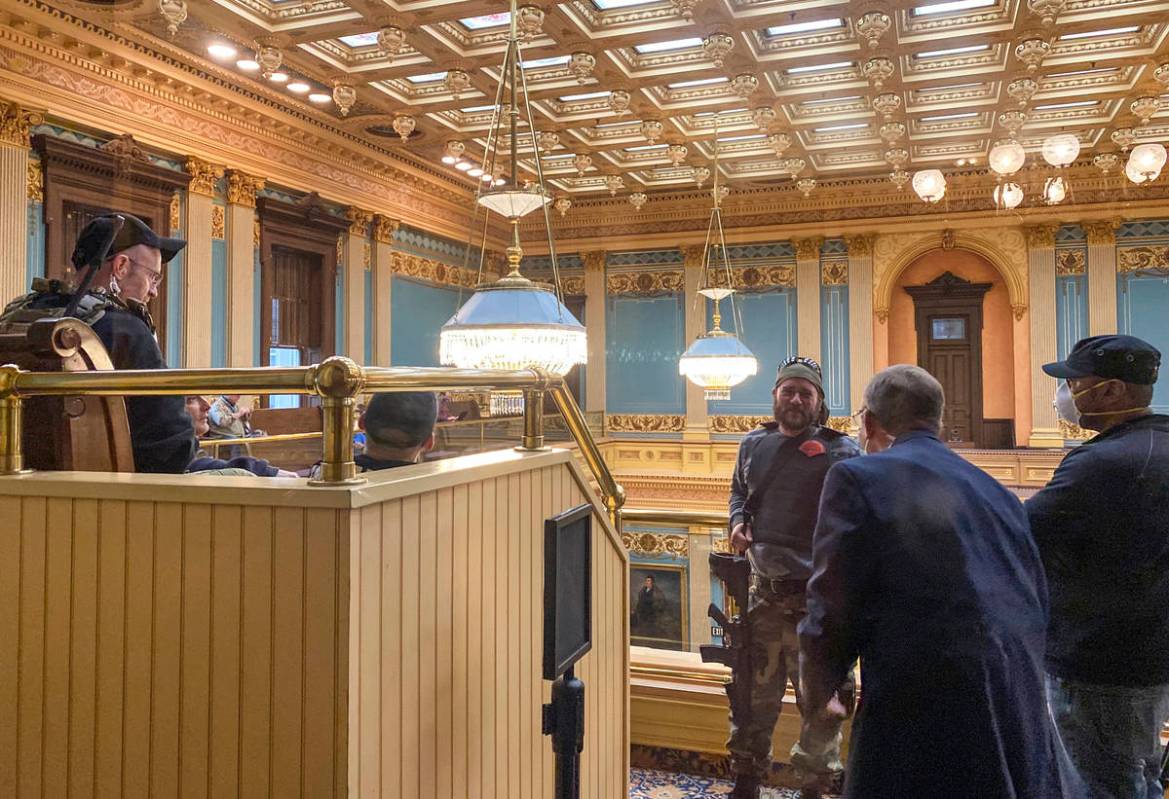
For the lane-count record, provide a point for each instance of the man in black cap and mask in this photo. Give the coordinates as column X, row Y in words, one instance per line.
column 1102, row 527
column 775, row 494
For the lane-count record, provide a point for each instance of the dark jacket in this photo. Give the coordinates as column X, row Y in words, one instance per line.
column 925, row 569
column 785, row 515
column 1102, row 526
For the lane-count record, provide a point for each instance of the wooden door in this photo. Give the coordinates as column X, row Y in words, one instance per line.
column 948, row 317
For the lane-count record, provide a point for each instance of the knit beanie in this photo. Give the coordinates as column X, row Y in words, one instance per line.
column 802, row 369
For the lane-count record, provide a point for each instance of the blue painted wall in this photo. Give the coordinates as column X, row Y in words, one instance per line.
column 36, row 244
column 257, row 297
column 1142, row 300
column 368, row 331
column 417, row 313
column 1071, row 311
column 644, row 337
column 218, row 303
column 834, row 348
column 769, row 331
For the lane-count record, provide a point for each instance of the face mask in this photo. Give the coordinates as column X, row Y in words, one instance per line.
column 1065, row 403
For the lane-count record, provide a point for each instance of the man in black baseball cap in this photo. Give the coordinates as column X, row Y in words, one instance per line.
column 1102, row 527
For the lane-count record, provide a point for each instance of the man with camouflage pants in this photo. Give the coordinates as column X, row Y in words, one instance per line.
column 775, row 494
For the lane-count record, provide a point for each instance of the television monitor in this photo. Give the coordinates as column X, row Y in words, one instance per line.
column 567, row 589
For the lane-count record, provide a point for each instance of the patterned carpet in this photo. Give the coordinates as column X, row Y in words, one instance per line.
column 651, row 784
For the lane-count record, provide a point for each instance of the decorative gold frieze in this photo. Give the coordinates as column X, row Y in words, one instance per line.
column 841, row 424
column 573, row 286
column 834, row 273
column 692, row 255
column 419, row 268
column 218, row 228
column 1141, row 259
column 1070, row 262
column 1019, row 310
column 1040, row 235
column 721, row 544
column 358, row 221
column 242, row 188
column 36, row 182
column 860, row 245
column 736, row 424
column 757, row 278
column 124, row 147
column 367, row 256
column 594, row 260
column 256, row 232
column 656, row 544
column 646, row 283
column 176, row 219
column 948, row 239
column 16, row 122
column 204, row 176
column 644, row 423
column 1073, row 432
column 808, row 249
column 1100, row 232
column 384, row 228
column 340, row 248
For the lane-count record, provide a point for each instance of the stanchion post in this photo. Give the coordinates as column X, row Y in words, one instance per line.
column 11, row 423
column 338, row 381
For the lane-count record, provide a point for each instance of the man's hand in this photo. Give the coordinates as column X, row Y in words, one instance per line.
column 741, row 537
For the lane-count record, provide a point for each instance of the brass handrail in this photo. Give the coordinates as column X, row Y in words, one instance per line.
column 337, row 381
column 690, row 518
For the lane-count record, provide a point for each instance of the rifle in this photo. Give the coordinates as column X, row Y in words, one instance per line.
column 735, row 573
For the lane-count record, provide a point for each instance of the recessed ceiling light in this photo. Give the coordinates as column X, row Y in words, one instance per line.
column 475, row 172
column 1075, row 104
column 558, row 156
column 278, row 77
column 605, row 5
column 1076, row 72
column 550, row 61
column 974, row 48
column 221, row 51
column 476, row 109
column 954, row 5
column 700, row 82
column 851, row 126
column 360, row 39
column 1067, row 37
column 320, row 98
column 828, row 100
column 642, row 147
column 486, row 21
column 660, row 47
column 946, row 117
column 725, row 112
column 248, row 65
column 804, row 27
column 463, row 166
column 298, row 86
column 429, row 78
column 818, row 67
column 942, row 89
column 568, row 98
column 744, row 137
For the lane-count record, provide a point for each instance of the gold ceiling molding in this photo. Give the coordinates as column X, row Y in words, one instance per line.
column 384, row 228
column 35, row 182
column 1070, row 262
column 432, row 271
column 757, row 278
column 218, row 226
column 736, row 424
column 16, row 122
column 657, row 544
column 242, row 188
column 834, row 273
column 646, row 283
column 1154, row 258
column 204, row 176
column 358, row 221
column 1005, row 248
column 644, row 423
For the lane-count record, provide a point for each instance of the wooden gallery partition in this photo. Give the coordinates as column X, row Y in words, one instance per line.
column 200, row 636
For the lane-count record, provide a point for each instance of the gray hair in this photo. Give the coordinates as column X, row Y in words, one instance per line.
column 905, row 397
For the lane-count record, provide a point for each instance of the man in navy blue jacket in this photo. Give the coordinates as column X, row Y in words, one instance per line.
column 924, row 567
column 1102, row 526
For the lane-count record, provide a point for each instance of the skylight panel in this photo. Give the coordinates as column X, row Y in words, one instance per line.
column 944, row 89
column 725, row 112
column 605, row 5
column 831, row 100
column 569, row 98
column 603, row 125
column 805, row 27
column 661, row 47
column 850, row 126
column 359, row 39
column 1075, row 104
column 486, row 21
column 819, row 67
column 701, row 82
column 1077, row 72
column 951, row 7
column 642, row 147
column 948, row 117
column 744, row 137
column 558, row 156
column 1067, row 37
column 476, row 109
column 550, row 61
column 974, row 48
column 433, row 76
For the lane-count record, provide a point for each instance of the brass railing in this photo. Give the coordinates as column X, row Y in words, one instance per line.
column 689, row 518
column 337, row 381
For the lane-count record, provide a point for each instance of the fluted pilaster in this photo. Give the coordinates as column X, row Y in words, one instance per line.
column 15, row 123
column 695, row 326
column 197, row 263
column 1045, row 430
column 383, row 250
column 594, row 287
column 808, row 296
column 241, row 249
column 358, row 258
column 860, row 317
column 1101, row 277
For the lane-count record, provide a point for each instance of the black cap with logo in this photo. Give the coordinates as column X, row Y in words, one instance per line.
column 134, row 231
column 1126, row 358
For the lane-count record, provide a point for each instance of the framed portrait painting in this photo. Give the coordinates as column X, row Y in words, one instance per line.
column 658, row 606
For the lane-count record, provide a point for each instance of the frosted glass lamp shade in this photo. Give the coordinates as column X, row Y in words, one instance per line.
column 1008, row 195
column 1054, row 191
column 1136, row 176
column 716, row 362
column 930, row 185
column 1146, row 160
column 513, row 203
column 1061, row 150
column 1007, row 158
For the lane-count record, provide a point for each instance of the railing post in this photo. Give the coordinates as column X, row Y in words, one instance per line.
column 11, row 423
column 533, row 438
column 338, row 381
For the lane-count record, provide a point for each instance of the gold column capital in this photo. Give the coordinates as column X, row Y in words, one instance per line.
column 861, row 244
column 1102, row 231
column 693, row 255
column 1040, row 236
column 384, row 228
column 808, row 249
column 16, row 122
column 594, row 260
column 36, row 182
column 242, row 188
column 204, row 175
column 358, row 221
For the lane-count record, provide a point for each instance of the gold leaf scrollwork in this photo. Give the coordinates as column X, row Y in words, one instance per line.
column 367, row 256
column 1019, row 310
column 834, row 273
column 1039, row 236
column 1100, row 232
column 218, row 228
column 757, row 278
column 204, row 176
column 736, row 424
column 645, row 423
column 861, row 245
column 721, row 545
column 36, row 182
column 16, row 122
column 1144, row 259
column 384, row 228
column 1073, row 432
column 841, row 424
column 256, row 232
column 656, row 544
column 358, row 221
column 646, row 283
column 176, row 221
column 431, row 271
column 808, row 249
column 1070, row 262
column 594, row 260
column 572, row 286
column 242, row 188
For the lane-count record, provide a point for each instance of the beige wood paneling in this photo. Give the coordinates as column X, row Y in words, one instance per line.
column 358, row 641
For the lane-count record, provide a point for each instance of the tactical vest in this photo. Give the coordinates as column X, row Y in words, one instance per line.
column 49, row 298
column 787, row 513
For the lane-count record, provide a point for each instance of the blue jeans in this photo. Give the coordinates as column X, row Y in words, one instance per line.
column 1112, row 734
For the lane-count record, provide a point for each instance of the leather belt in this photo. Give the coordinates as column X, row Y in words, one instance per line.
column 781, row 588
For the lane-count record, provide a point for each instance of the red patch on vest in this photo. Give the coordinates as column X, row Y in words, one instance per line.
column 812, row 448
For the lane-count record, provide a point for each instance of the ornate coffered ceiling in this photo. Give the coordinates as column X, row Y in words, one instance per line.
column 824, row 88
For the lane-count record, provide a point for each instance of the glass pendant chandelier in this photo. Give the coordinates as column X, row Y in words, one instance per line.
column 513, row 323
column 717, row 360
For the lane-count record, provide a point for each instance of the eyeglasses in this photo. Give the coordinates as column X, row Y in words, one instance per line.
column 155, row 277
column 856, row 417
column 802, row 361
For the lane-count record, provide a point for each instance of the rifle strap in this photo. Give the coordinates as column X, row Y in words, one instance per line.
column 786, row 454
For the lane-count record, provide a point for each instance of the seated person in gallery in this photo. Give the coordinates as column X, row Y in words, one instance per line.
column 229, row 419
column 198, row 408
column 399, row 430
